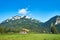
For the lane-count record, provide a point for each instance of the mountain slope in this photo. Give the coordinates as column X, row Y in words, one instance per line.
column 18, row 22
column 55, row 20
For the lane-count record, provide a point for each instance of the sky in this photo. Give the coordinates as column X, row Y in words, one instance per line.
column 41, row 10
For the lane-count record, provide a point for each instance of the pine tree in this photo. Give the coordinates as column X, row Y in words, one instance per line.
column 53, row 29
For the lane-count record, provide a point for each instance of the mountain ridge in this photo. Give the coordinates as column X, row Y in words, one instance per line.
column 19, row 22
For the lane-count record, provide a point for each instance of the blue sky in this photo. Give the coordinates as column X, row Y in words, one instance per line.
column 41, row 10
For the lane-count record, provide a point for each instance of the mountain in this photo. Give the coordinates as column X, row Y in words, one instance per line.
column 17, row 23
column 53, row 21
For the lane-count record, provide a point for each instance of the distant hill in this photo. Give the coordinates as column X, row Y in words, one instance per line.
column 16, row 24
column 55, row 20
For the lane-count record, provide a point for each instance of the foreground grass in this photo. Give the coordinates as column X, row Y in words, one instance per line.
column 29, row 36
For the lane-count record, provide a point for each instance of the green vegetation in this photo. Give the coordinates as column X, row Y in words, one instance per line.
column 53, row 29
column 33, row 25
column 29, row 36
column 18, row 24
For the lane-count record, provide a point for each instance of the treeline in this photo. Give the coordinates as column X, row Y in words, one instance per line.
column 4, row 29
column 15, row 26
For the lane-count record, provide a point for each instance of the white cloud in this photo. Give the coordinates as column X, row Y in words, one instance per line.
column 23, row 11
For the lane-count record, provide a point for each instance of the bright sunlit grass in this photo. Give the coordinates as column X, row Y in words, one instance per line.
column 29, row 36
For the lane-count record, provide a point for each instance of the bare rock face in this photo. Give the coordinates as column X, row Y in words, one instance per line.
column 57, row 21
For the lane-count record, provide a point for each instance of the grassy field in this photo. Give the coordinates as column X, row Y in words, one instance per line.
column 29, row 36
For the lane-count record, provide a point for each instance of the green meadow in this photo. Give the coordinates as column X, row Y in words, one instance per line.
column 29, row 36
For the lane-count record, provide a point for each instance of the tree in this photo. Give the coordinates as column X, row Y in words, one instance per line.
column 2, row 29
column 53, row 29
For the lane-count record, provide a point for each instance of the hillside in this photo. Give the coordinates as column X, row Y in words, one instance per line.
column 17, row 23
column 53, row 21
